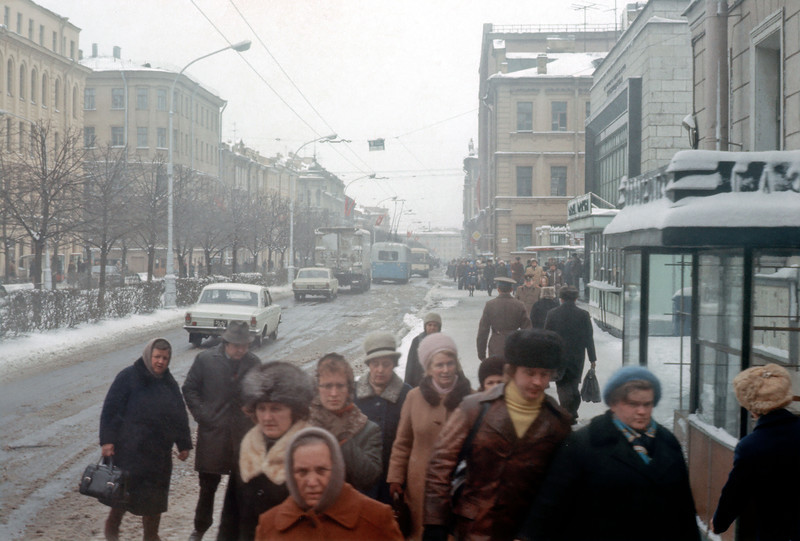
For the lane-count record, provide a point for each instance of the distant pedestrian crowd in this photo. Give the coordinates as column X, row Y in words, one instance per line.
column 426, row 457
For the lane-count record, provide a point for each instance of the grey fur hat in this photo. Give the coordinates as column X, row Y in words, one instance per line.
column 280, row 382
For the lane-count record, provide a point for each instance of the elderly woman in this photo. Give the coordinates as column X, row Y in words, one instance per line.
column 333, row 410
column 766, row 470
column 424, row 413
column 143, row 417
column 621, row 478
column 277, row 395
column 380, row 394
column 517, row 430
column 322, row 505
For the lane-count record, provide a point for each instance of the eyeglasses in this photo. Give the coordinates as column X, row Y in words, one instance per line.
column 331, row 386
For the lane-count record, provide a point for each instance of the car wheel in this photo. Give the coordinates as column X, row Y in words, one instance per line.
column 195, row 339
column 297, row 296
column 274, row 334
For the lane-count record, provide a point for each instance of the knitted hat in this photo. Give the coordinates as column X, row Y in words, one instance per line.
column 432, row 317
column 632, row 373
column 535, row 348
column 336, row 481
column 280, row 382
column 761, row 389
column 433, row 344
column 380, row 344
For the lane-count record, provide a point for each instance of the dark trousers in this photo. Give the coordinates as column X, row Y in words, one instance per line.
column 204, row 512
column 150, row 525
column 568, row 395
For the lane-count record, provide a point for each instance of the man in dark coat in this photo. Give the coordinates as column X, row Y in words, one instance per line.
column 143, row 417
column 212, row 391
column 501, row 317
column 762, row 486
column 621, row 478
column 488, row 276
column 414, row 371
column 575, row 327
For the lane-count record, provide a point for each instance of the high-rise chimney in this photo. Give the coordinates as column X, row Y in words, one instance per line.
column 541, row 64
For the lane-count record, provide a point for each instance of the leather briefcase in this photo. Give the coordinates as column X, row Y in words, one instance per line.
column 106, row 482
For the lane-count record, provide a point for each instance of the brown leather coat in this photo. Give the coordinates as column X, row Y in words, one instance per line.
column 504, row 471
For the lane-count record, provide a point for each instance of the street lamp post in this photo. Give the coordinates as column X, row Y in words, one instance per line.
column 290, row 267
column 170, row 296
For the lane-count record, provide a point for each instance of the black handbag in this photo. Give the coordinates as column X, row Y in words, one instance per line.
column 402, row 514
column 459, row 476
column 106, row 482
column 590, row 388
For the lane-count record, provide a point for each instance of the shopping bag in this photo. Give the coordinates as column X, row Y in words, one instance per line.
column 106, row 482
column 590, row 389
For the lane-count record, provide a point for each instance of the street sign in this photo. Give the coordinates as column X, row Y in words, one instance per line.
column 476, row 236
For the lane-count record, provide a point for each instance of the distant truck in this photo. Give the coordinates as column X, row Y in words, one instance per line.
column 347, row 251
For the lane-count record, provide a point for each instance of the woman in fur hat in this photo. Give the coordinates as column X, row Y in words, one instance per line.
column 322, row 505
column 333, row 409
column 277, row 396
column 766, row 469
column 424, row 413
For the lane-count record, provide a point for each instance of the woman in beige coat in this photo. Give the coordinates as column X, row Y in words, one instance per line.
column 423, row 416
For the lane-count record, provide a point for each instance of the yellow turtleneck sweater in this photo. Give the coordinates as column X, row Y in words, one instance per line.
column 522, row 412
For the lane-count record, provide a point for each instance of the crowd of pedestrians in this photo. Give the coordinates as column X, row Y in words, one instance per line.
column 326, row 456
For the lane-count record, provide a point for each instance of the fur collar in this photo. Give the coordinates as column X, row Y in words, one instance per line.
column 254, row 459
column 451, row 399
column 343, row 425
column 390, row 393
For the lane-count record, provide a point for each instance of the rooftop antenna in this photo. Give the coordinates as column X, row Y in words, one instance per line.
column 586, row 6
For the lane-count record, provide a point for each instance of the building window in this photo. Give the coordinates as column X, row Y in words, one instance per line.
column 55, row 42
column 558, row 180
column 161, row 136
column 75, row 98
column 72, row 49
column 22, row 82
column 117, row 98
column 45, row 91
column 588, row 110
column 117, row 136
column 88, row 99
column 141, row 136
column 34, row 84
column 525, row 116
column 10, row 77
column 88, row 136
column 767, row 92
column 7, row 16
column 30, row 29
column 524, row 236
column 19, row 23
column 41, row 35
column 559, row 110
column 161, row 99
column 141, row 98
column 524, row 181
column 57, row 94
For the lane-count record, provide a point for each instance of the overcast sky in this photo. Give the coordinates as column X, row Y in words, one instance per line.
column 405, row 71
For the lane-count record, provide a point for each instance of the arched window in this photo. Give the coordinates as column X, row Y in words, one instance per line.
column 10, row 78
column 45, row 93
column 75, row 101
column 56, row 101
column 34, row 84
column 22, row 81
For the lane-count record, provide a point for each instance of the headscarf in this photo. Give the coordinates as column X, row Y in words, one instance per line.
column 147, row 355
column 336, row 481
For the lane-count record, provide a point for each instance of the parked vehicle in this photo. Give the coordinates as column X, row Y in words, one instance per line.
column 346, row 251
column 113, row 276
column 223, row 302
column 420, row 262
column 391, row 261
column 315, row 281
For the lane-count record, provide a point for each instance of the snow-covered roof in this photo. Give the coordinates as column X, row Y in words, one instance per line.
column 558, row 65
column 110, row 63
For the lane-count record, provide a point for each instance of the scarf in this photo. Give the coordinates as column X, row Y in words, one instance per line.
column 640, row 442
column 444, row 390
column 522, row 412
column 343, row 424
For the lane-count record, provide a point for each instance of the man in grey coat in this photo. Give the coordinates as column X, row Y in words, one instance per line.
column 212, row 392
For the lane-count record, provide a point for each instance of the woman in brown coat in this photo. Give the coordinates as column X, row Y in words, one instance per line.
column 515, row 441
column 424, row 413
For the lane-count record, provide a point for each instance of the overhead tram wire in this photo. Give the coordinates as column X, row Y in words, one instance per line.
column 263, row 79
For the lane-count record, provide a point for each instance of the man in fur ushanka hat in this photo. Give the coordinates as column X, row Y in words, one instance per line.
column 766, row 467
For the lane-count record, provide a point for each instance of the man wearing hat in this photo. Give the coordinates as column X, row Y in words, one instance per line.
column 501, row 317
column 766, row 470
column 414, row 371
column 212, row 392
column 515, row 440
column 621, row 478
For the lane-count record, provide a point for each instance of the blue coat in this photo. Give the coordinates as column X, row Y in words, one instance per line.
column 764, row 479
column 383, row 410
column 144, row 416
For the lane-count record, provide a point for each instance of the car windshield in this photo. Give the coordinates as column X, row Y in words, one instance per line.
column 312, row 273
column 229, row 296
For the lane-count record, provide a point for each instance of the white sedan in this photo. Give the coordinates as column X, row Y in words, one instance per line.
column 315, row 281
column 223, row 302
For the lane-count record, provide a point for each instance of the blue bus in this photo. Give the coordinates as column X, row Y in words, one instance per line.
column 391, row 261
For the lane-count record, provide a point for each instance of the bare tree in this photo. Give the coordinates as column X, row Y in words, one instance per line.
column 148, row 207
column 42, row 188
column 277, row 228
column 213, row 226
column 187, row 190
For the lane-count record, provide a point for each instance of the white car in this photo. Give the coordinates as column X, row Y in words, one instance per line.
column 315, row 281
column 223, row 302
